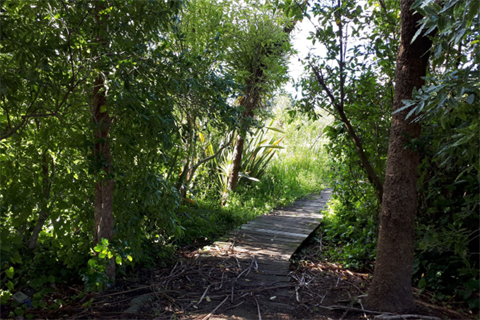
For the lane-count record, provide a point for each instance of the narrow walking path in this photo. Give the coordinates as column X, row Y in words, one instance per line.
column 264, row 246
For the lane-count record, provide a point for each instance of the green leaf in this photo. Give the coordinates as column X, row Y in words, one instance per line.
column 10, row 271
column 10, row 285
column 418, row 32
column 275, row 129
column 118, row 259
column 422, row 283
column 246, row 176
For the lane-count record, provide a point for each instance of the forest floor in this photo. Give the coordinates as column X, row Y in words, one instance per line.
column 195, row 289
column 223, row 287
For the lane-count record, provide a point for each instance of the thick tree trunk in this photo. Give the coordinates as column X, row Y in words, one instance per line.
column 104, row 186
column 391, row 289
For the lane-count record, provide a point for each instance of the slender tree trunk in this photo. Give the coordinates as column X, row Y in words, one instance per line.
column 340, row 106
column 44, row 209
column 391, row 289
column 237, row 162
column 104, row 186
column 250, row 102
column 372, row 176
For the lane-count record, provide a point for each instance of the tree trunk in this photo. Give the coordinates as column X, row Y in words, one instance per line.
column 250, row 101
column 372, row 176
column 104, row 186
column 237, row 161
column 44, row 209
column 391, row 289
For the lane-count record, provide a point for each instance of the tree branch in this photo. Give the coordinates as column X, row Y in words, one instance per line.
column 372, row 176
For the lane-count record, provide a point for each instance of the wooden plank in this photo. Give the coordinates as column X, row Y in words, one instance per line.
column 299, row 212
column 277, row 226
column 294, row 221
column 281, row 223
column 318, row 202
column 314, row 217
column 251, row 236
column 248, row 254
column 261, row 240
column 277, row 233
column 280, row 248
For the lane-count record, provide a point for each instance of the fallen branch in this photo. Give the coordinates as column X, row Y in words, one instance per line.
column 258, row 308
column 211, row 313
column 336, row 307
column 404, row 316
column 234, row 306
column 203, row 296
column 441, row 309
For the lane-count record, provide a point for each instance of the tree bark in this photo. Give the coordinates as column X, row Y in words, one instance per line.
column 104, row 186
column 237, row 162
column 250, row 102
column 391, row 289
column 44, row 208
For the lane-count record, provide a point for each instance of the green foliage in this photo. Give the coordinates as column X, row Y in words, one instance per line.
column 349, row 234
column 295, row 171
column 172, row 70
column 259, row 152
column 446, row 256
column 257, row 155
column 447, row 105
column 300, row 168
column 103, row 253
column 363, row 84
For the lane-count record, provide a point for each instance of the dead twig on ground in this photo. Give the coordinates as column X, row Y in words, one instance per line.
column 404, row 316
column 337, row 307
column 203, row 295
column 258, row 308
column 213, row 311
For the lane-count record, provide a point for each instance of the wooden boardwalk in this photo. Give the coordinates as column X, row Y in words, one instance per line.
column 268, row 242
column 245, row 275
